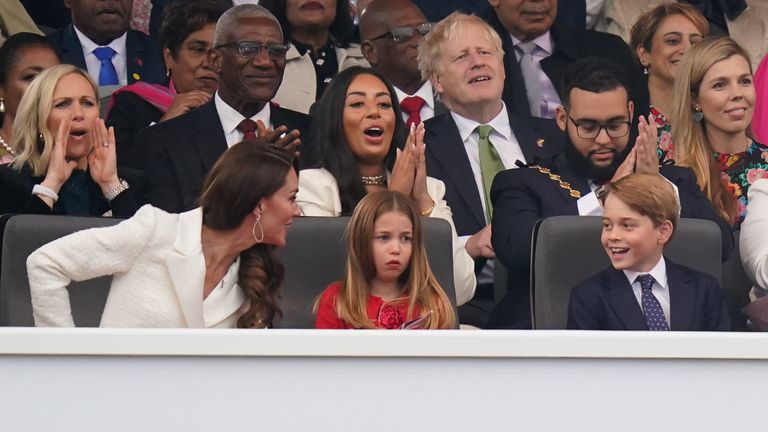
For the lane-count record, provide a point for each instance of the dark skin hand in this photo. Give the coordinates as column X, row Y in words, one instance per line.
column 280, row 137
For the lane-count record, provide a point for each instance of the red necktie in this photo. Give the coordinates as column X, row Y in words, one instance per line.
column 248, row 128
column 412, row 106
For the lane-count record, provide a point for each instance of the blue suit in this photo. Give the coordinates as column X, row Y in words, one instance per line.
column 606, row 302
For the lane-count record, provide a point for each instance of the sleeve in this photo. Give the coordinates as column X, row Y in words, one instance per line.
column 326, row 317
column 583, row 309
column 716, row 312
column 80, row 256
column 318, row 193
column 753, row 243
column 164, row 191
column 464, row 279
column 124, row 117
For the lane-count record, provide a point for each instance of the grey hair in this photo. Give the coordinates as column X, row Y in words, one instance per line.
column 228, row 21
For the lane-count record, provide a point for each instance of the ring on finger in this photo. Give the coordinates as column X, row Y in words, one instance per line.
column 105, row 144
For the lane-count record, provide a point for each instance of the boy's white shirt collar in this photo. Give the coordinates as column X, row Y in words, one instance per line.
column 659, row 273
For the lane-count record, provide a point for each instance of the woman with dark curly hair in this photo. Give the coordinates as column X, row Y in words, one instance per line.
column 213, row 266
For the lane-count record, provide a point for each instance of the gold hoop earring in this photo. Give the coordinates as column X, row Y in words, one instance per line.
column 261, row 230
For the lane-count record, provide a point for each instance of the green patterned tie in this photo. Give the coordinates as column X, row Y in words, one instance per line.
column 490, row 165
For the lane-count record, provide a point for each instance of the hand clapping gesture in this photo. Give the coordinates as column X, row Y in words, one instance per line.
column 280, row 137
column 185, row 102
column 643, row 157
column 409, row 175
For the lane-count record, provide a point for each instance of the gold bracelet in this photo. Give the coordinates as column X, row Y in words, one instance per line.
column 428, row 211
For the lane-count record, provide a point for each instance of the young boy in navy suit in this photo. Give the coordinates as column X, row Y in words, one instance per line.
column 643, row 290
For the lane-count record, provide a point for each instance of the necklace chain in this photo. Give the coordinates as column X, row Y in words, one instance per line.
column 7, row 147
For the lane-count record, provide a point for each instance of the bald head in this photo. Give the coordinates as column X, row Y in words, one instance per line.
column 396, row 61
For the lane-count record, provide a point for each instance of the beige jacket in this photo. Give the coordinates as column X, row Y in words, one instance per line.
column 15, row 19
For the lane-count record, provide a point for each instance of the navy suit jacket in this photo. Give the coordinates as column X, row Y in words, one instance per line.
column 523, row 196
column 180, row 152
column 570, row 45
column 606, row 302
column 143, row 56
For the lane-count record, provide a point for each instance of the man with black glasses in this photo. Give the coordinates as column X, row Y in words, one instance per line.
column 595, row 119
column 249, row 55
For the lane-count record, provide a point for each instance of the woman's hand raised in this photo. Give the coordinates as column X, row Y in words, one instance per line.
column 420, row 193
column 59, row 168
column 280, row 137
column 404, row 171
column 184, row 103
column 102, row 160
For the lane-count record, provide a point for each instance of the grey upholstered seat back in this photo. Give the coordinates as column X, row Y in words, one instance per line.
column 566, row 250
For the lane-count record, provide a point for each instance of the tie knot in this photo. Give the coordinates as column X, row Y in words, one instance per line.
column 646, row 281
column 104, row 53
column 246, row 126
column 527, row 47
column 412, row 104
column 484, row 131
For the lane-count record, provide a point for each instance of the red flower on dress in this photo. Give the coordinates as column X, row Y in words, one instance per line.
column 389, row 317
column 756, row 174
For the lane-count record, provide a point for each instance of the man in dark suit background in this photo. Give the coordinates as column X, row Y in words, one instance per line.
column 479, row 136
column 391, row 31
column 537, row 50
column 99, row 40
column 595, row 121
column 181, row 151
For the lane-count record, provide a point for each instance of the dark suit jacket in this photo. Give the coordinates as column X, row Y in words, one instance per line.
column 129, row 115
column 523, row 196
column 570, row 46
column 16, row 194
column 606, row 302
column 143, row 57
column 180, row 152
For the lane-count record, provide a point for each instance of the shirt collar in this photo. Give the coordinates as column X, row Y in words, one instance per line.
column 230, row 117
column 659, row 273
column 424, row 92
column 543, row 41
column 88, row 45
column 500, row 124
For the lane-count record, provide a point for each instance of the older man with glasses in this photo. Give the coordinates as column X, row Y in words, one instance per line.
column 249, row 55
column 595, row 120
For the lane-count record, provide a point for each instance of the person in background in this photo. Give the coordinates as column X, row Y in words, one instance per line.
column 754, row 253
column 15, row 19
column 65, row 156
column 186, row 37
column 660, row 38
column 22, row 57
column 388, row 282
column 213, row 266
column 760, row 118
column 714, row 99
column 319, row 35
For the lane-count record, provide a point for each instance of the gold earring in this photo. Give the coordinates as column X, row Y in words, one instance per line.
column 2, row 105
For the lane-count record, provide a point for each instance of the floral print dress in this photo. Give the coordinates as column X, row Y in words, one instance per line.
column 665, row 148
column 740, row 170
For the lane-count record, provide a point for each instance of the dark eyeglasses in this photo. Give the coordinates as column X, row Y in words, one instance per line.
column 404, row 34
column 590, row 129
column 250, row 50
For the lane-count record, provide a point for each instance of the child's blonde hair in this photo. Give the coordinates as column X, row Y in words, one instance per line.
column 422, row 290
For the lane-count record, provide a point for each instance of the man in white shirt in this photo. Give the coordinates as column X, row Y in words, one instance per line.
column 477, row 138
column 99, row 41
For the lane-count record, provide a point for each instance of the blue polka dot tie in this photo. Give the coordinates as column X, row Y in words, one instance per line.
column 654, row 316
column 107, row 72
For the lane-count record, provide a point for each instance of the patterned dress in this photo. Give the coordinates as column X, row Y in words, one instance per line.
column 740, row 170
column 664, row 139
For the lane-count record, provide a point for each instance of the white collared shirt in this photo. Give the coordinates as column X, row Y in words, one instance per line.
column 544, row 48
column 589, row 205
column 424, row 92
column 230, row 118
column 119, row 60
column 660, row 288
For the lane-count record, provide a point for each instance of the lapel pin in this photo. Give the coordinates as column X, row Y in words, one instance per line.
column 540, row 142
column 136, row 76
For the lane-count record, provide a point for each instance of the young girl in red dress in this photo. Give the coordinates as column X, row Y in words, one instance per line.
column 389, row 284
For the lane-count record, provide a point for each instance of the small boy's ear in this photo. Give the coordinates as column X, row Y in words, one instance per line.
column 665, row 229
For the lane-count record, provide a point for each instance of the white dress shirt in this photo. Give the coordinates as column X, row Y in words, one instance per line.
column 230, row 118
column 545, row 46
column 589, row 205
column 660, row 288
column 119, row 60
column 424, row 92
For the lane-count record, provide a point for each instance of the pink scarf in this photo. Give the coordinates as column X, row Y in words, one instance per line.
column 760, row 116
column 161, row 97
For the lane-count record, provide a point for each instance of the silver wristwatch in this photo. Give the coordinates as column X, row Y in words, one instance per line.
column 117, row 190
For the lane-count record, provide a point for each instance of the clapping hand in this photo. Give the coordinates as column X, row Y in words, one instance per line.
column 404, row 171
column 647, row 159
column 280, row 137
column 185, row 102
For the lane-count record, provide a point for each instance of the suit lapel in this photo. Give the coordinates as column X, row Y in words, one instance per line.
column 209, row 139
column 186, row 267
column 446, row 147
column 527, row 137
column 137, row 54
column 71, row 50
column 623, row 301
column 682, row 298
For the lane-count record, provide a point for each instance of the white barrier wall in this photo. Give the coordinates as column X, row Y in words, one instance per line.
column 300, row 380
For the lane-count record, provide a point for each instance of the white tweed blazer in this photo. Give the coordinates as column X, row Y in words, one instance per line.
column 753, row 246
column 158, row 271
column 319, row 196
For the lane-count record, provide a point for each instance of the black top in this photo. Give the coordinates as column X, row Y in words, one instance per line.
column 325, row 62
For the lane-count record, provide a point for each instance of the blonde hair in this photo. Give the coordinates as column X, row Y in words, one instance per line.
column 423, row 291
column 432, row 45
column 648, row 23
column 692, row 149
column 648, row 194
column 31, row 120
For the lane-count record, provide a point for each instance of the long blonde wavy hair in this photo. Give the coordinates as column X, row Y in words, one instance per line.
column 33, row 142
column 692, row 147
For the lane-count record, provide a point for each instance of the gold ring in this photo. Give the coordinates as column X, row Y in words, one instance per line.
column 105, row 144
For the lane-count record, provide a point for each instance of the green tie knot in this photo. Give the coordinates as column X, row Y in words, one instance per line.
column 484, row 131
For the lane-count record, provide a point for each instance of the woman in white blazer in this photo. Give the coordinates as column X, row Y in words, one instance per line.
column 357, row 137
column 319, row 34
column 753, row 242
column 213, row 266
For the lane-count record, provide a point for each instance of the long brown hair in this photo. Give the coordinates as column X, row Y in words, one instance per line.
column 242, row 176
column 423, row 291
column 692, row 148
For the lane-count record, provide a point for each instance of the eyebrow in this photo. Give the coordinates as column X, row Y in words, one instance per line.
column 677, row 33
column 362, row 93
column 610, row 120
